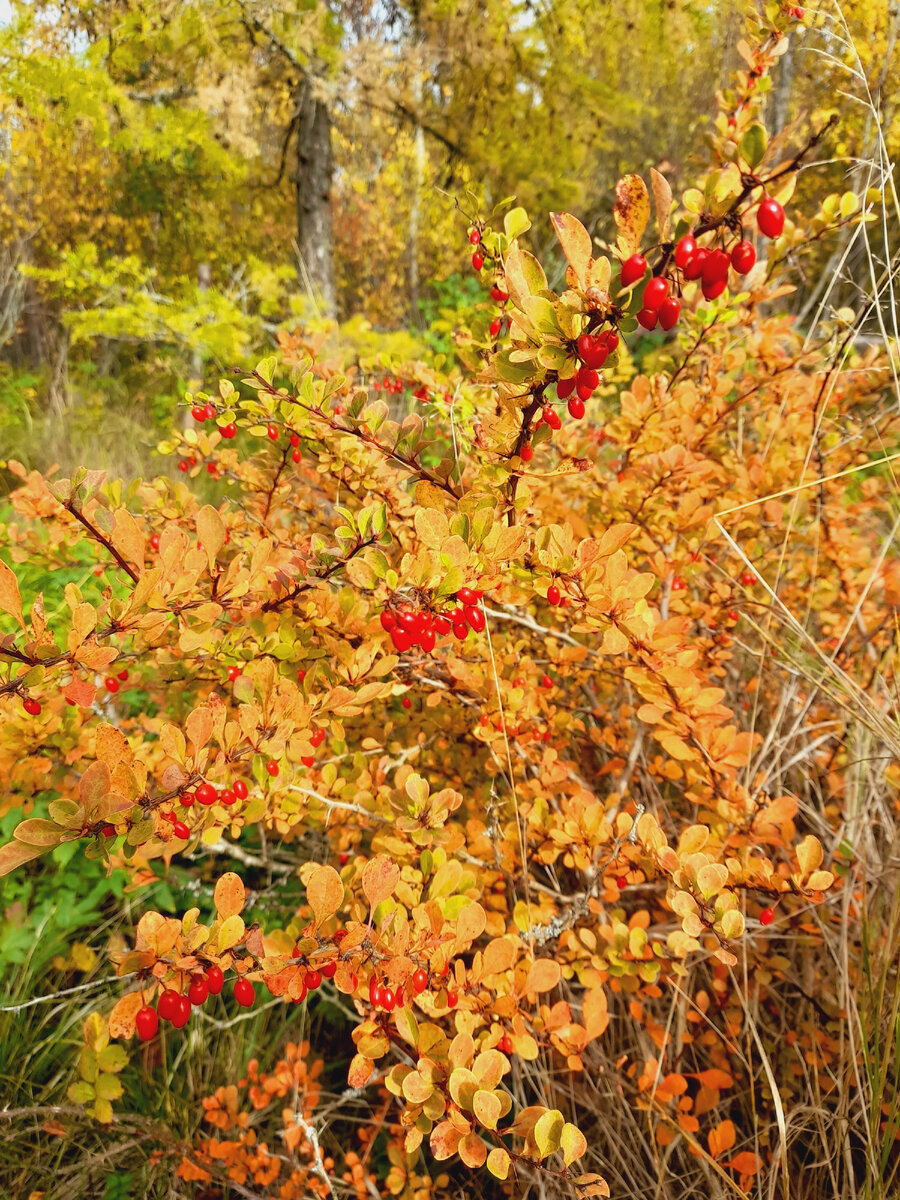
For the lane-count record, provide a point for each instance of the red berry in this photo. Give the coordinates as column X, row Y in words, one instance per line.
column 419, row 981
column 181, row 830
column 712, row 291
column 693, row 268
column 32, row 707
column 233, row 672
column 388, row 999
column 206, row 794
column 229, row 430
column 313, row 980
column 296, row 456
column 328, row 969
column 388, row 620
column 743, row 258
column 477, row 260
column 621, row 883
column 565, row 387
column 210, row 411
column 551, row 418
column 475, row 618
column 146, row 1022
column 612, row 339
column 108, row 831
column 154, row 541
column 648, row 317
column 453, row 999
column 475, row 237
column 526, row 453
column 343, row 858
column 182, row 466
column 272, row 432
column 547, row 681
column 669, row 312
column 272, row 768
column 767, row 916
column 406, row 702
column 685, row 250
column 182, row 1012
column 244, row 992
column 227, row 797
column 198, row 412
column 587, row 379
column 239, row 788
column 495, row 327
column 770, row 218
column 655, row 292
column 576, row 408
column 199, row 990
column 168, row 1004
column 214, row 979
column 375, row 992
column 295, row 440
column 505, row 1044
column 715, row 268
column 748, row 579
column 633, row 269
column 123, row 675
column 111, row 683
column 592, row 351
column 498, row 294
column 553, row 595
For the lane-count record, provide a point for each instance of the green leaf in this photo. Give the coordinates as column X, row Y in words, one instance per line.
column 516, row 223
column 81, row 1092
column 753, row 145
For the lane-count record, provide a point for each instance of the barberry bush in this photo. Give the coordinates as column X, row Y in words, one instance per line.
column 507, row 740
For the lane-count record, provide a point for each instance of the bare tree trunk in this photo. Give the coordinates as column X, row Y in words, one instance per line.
column 315, row 168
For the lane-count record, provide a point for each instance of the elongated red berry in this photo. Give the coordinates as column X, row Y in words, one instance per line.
column 475, row 237
column 181, row 830
column 592, row 351
column 712, row 291
column 770, row 218
column 206, row 794
column 551, row 418
column 633, row 269
column 233, row 672
column 214, row 979
column 588, row 380
column 239, row 787
column 693, row 268
column 495, row 327
column 715, row 267
column 167, row 1005
column 576, row 408
column 655, row 292
column 669, row 312
column 199, row 990
column 146, row 1022
column 272, row 432
column 767, row 916
column 648, row 317
column 475, row 618
column 743, row 258
column 244, row 993
column 565, row 387
column 685, row 250
column 32, row 707
column 154, row 541
column 227, row 797
column 272, row 768
column 111, row 683
column 505, row 1044
column 419, row 981
column 198, row 412
column 526, row 453
column 388, row 999
column 477, row 260
column 546, row 681
column 452, row 999
column 553, row 594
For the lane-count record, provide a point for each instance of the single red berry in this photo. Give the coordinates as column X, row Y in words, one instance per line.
column 475, row 237
column 477, row 260
column 182, row 1012
column 495, row 327
column 182, row 466
column 296, row 456
column 633, row 269
column 453, row 999
column 669, row 312
column 526, row 453
column 551, row 417
column 770, row 218
column 767, row 916
column 272, row 432
column 181, row 830
column 313, row 979
column 206, row 794
column 419, row 981
column 295, row 440
column 32, row 707
column 108, row 831
column 401, row 639
column 154, row 541
column 229, row 430
column 210, row 411
column 685, row 250
column 233, row 672
column 587, row 380
column 712, row 291
column 388, row 999
column 547, row 681
column 239, row 787
column 612, row 339
column 553, row 595
column 146, row 1022
column 388, row 620
column 227, row 797
column 215, row 979
column 298, row 999
column 743, row 258
column 505, row 1044
column 272, row 768
column 374, row 992
column 244, row 992
column 693, row 268
column 188, row 798
column 198, row 412
column 308, row 760
column 576, row 408
column 168, row 1005
column 565, row 387
column 474, row 617
column 111, row 683
column 655, row 292
column 301, row 675
column 327, row 970
column 343, row 858
column 406, row 702
column 621, row 883
column 647, row 318
column 199, row 990
column 498, row 294
column 123, row 675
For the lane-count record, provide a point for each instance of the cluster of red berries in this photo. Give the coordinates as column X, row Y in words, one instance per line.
column 176, row 1008
column 409, row 627
column 382, row 996
column 207, row 794
column 111, row 682
column 709, row 266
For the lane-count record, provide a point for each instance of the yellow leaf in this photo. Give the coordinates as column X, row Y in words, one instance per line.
column 809, row 854
column 498, row 1163
column 631, row 213
column 325, row 893
column 573, row 1143
column 229, row 895
column 487, row 1108
column 548, row 1132
column 472, row 1150
column 231, row 932
column 10, row 600
column 576, row 244
column 210, row 531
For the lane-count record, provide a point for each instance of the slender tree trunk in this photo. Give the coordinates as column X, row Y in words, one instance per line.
column 315, row 168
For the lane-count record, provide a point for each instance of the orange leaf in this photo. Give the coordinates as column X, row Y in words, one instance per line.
column 380, row 876
column 544, row 975
column 229, row 895
column 325, row 893
column 121, row 1019
column 721, row 1138
column 745, row 1163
